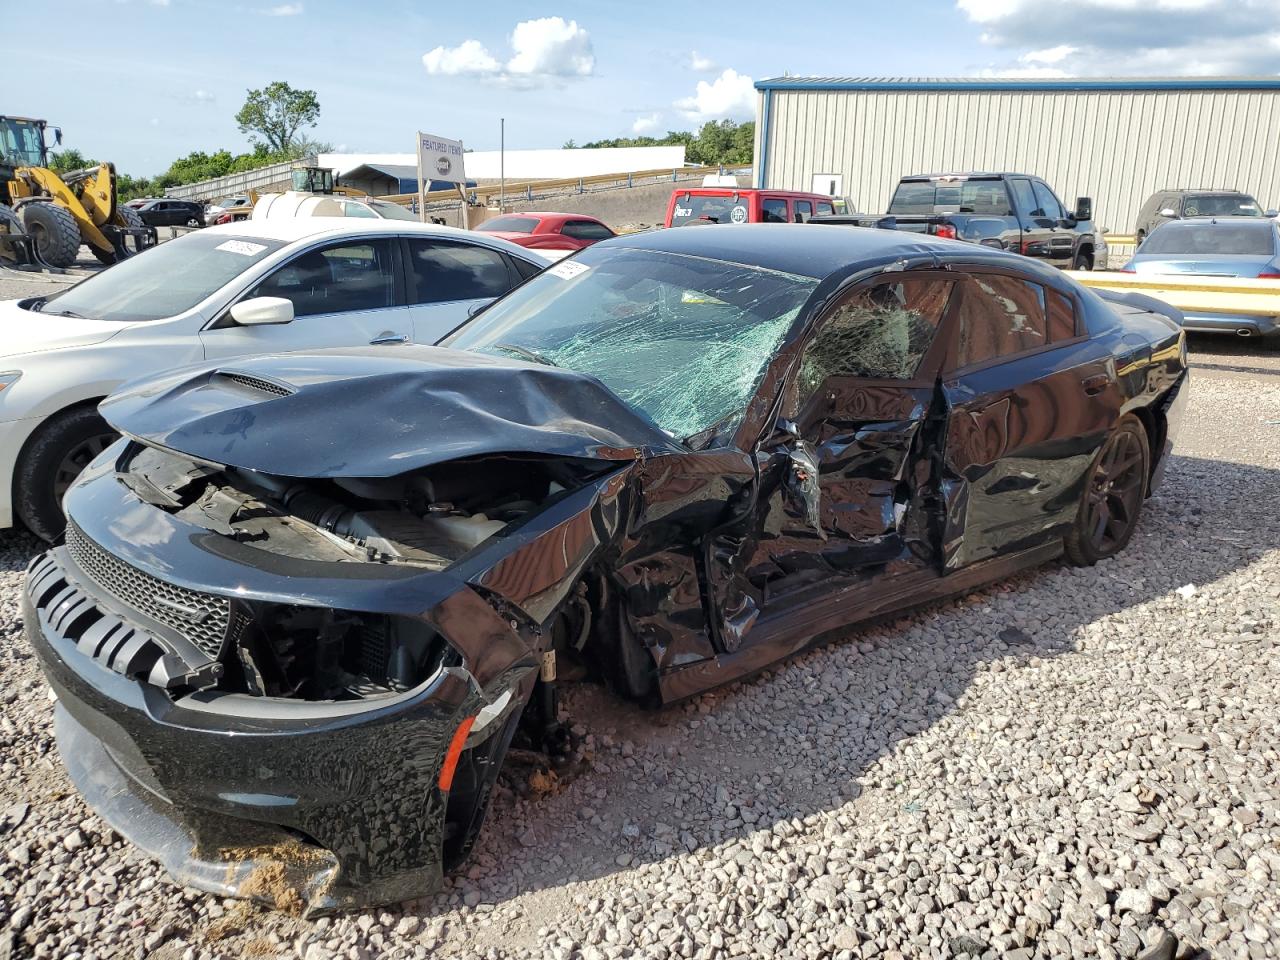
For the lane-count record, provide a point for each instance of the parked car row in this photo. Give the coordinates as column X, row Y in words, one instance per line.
column 216, row 294
column 403, row 477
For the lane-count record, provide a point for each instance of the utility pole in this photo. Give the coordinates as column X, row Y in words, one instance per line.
column 502, row 165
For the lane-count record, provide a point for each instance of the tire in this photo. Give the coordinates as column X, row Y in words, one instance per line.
column 1082, row 261
column 193, row 222
column 54, row 230
column 50, row 461
column 1115, row 489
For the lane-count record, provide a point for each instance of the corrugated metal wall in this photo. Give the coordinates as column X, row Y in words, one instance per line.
column 1115, row 146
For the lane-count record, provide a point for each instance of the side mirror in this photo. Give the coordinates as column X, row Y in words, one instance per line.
column 1168, row 212
column 57, row 136
column 262, row 310
column 1084, row 209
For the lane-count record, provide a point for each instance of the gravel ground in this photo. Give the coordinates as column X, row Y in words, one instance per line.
column 1071, row 763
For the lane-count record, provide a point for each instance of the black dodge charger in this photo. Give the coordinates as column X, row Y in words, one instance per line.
column 307, row 601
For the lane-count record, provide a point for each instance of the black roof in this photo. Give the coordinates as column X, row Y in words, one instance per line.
column 970, row 174
column 1227, row 190
column 807, row 250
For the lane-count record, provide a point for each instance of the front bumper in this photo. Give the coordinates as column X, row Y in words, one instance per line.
column 310, row 807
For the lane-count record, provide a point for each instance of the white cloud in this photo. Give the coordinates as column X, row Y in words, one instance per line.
column 1049, row 54
column 545, row 50
column 1023, row 73
column 647, row 124
column 155, row 121
column 550, row 47
column 468, row 58
column 284, row 10
column 159, row 3
column 1130, row 37
column 731, row 95
column 700, row 64
column 203, row 96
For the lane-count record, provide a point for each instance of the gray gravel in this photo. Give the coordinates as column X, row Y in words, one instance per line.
column 1072, row 763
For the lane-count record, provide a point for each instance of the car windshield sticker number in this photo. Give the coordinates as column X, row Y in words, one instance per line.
column 683, row 211
column 242, row 247
column 568, row 269
column 739, row 214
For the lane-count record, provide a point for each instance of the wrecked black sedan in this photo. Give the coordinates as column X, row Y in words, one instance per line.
column 307, row 601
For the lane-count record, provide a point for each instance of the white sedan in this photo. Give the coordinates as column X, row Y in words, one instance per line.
column 244, row 288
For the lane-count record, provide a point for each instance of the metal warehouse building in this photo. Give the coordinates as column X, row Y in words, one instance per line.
column 1117, row 140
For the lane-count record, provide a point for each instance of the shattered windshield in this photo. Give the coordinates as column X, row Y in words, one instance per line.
column 683, row 339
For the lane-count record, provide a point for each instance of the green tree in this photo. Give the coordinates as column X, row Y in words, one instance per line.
column 717, row 142
column 71, row 159
column 276, row 113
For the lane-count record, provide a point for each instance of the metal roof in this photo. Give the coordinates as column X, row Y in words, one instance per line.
column 397, row 171
column 1019, row 83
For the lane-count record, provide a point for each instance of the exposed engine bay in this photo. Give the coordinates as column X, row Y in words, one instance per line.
column 426, row 519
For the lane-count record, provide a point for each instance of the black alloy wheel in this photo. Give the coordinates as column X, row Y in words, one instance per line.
column 1113, row 496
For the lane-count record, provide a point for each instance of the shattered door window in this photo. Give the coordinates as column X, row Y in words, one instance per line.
column 879, row 332
column 684, row 340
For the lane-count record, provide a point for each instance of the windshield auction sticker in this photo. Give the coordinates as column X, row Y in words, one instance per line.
column 739, row 214
column 568, row 269
column 242, row 247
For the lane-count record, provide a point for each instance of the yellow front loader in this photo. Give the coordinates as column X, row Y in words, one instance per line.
column 58, row 213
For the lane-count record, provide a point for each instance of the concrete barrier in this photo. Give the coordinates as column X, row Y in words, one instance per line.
column 1225, row 295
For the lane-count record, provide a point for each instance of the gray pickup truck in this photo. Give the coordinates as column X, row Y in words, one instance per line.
column 1008, row 211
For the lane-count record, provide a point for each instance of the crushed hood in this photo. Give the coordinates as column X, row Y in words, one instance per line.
column 378, row 412
column 26, row 331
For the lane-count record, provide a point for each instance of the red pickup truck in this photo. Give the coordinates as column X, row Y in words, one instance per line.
column 702, row 205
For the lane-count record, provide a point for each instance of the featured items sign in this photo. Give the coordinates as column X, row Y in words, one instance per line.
column 440, row 159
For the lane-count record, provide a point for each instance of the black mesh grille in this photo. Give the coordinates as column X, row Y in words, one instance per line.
column 200, row 617
column 257, row 383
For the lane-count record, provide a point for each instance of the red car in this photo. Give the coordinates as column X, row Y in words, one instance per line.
column 700, row 205
column 548, row 231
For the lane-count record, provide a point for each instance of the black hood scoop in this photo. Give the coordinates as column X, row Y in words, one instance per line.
column 378, row 412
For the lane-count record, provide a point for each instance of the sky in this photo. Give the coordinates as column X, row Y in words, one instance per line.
column 174, row 72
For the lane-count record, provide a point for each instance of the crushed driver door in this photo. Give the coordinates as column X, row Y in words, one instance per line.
column 846, row 488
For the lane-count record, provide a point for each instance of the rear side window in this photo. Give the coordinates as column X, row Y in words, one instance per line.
column 773, row 210
column 1062, row 316
column 1000, row 316
column 586, row 230
column 339, row 279
column 804, row 210
column 525, row 268
column 879, row 332
column 1025, row 197
column 825, row 209
column 442, row 271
